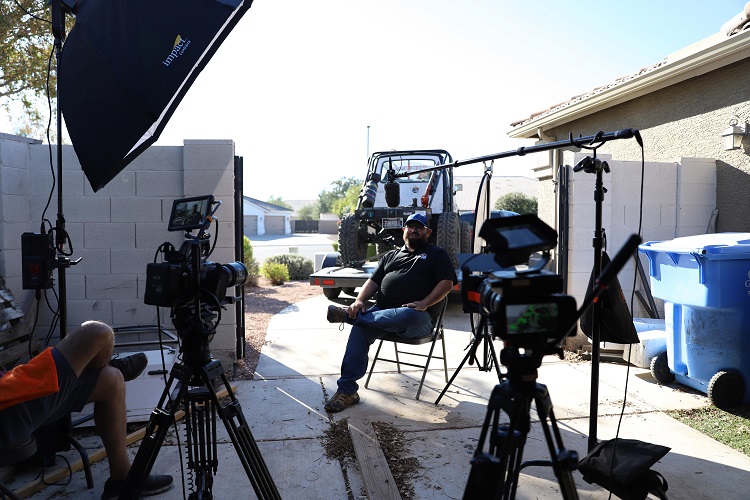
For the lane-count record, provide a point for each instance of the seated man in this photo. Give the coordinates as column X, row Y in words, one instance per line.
column 61, row 380
column 410, row 283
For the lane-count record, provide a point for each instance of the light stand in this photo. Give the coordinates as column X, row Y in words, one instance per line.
column 62, row 262
column 592, row 165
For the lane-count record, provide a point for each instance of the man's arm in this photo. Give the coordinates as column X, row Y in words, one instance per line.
column 442, row 289
column 365, row 294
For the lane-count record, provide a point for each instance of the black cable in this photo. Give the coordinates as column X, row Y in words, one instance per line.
column 632, row 295
column 34, row 16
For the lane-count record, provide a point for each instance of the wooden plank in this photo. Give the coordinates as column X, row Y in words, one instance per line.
column 379, row 482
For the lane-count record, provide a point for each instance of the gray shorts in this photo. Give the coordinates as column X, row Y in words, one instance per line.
column 18, row 422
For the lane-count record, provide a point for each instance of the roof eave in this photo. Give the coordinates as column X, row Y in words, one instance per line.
column 731, row 50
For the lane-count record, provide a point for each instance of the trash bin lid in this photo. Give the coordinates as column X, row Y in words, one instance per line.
column 710, row 246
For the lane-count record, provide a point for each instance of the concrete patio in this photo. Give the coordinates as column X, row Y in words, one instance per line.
column 298, row 371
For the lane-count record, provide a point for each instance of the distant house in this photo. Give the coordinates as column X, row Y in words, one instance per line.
column 262, row 218
column 682, row 106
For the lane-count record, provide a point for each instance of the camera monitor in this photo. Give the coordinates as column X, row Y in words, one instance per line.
column 514, row 239
column 189, row 213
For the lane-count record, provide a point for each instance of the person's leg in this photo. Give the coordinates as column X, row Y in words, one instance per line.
column 354, row 364
column 403, row 321
column 89, row 346
column 108, row 397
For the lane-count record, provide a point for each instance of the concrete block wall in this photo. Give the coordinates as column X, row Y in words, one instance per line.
column 115, row 231
column 678, row 199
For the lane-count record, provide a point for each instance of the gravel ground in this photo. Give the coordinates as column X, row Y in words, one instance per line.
column 261, row 303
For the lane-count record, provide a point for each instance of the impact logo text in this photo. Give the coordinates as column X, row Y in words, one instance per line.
column 180, row 46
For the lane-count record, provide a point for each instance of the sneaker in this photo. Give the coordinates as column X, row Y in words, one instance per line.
column 341, row 401
column 337, row 314
column 152, row 486
column 130, row 366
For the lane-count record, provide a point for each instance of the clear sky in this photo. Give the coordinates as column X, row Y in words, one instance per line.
column 297, row 83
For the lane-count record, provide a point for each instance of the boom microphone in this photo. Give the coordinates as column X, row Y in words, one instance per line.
column 392, row 194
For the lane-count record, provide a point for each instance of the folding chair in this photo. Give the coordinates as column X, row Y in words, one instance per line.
column 437, row 334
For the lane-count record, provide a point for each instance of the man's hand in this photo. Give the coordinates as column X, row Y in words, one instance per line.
column 419, row 305
column 354, row 309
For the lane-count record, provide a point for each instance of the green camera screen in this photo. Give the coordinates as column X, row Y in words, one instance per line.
column 531, row 318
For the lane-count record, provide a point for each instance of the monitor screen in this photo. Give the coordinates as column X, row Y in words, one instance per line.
column 189, row 213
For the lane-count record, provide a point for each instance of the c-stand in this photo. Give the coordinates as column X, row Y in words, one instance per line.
column 494, row 474
column 191, row 385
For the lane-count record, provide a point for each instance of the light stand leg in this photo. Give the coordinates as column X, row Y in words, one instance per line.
column 481, row 335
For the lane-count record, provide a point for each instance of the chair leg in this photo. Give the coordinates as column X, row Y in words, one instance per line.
column 7, row 492
column 398, row 361
column 84, row 461
column 375, row 360
column 445, row 358
column 427, row 366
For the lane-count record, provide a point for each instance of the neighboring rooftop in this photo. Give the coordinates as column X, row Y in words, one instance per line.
column 264, row 205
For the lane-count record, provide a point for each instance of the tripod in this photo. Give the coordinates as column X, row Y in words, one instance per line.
column 192, row 385
column 494, row 474
column 480, row 335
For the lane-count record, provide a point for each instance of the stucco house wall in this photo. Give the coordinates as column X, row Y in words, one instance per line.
column 687, row 120
column 115, row 231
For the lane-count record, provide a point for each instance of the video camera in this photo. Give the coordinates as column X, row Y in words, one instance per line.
column 186, row 281
column 525, row 308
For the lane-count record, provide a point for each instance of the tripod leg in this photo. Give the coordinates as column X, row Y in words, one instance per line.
column 453, row 377
column 471, row 356
column 156, row 430
column 563, row 461
column 239, row 432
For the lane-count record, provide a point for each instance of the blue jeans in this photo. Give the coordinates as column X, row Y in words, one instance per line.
column 371, row 325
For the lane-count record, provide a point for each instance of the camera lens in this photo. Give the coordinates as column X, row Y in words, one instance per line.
column 236, row 273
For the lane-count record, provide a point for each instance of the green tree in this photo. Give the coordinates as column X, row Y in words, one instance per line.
column 309, row 212
column 348, row 203
column 517, row 202
column 26, row 61
column 339, row 189
column 278, row 200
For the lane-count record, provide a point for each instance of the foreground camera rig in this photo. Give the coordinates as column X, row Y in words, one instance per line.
column 523, row 307
column 187, row 282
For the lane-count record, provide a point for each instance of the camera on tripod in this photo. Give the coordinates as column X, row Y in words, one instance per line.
column 187, row 274
column 525, row 307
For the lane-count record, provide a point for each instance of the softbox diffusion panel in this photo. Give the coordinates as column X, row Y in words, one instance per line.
column 125, row 67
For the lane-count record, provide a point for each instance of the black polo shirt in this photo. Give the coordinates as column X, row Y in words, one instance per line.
column 404, row 276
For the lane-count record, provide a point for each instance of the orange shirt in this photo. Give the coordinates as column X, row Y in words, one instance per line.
column 32, row 380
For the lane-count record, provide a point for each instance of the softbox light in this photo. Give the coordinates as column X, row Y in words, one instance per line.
column 125, row 67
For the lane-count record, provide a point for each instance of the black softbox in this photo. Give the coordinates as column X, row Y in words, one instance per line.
column 125, row 67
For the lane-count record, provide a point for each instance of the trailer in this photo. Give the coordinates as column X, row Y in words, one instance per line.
column 335, row 278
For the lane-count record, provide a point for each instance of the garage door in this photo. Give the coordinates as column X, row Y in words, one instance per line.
column 250, row 227
column 274, row 224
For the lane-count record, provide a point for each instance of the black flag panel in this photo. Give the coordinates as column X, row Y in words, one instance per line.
column 617, row 324
column 125, row 67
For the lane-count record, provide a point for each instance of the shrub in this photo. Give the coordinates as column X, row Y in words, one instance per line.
column 299, row 267
column 517, row 202
column 277, row 273
column 253, row 269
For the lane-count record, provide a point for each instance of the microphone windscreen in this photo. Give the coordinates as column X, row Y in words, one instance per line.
column 392, row 194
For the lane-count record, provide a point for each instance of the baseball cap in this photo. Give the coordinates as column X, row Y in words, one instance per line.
column 417, row 218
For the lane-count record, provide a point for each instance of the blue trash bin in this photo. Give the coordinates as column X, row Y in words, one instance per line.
column 704, row 281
